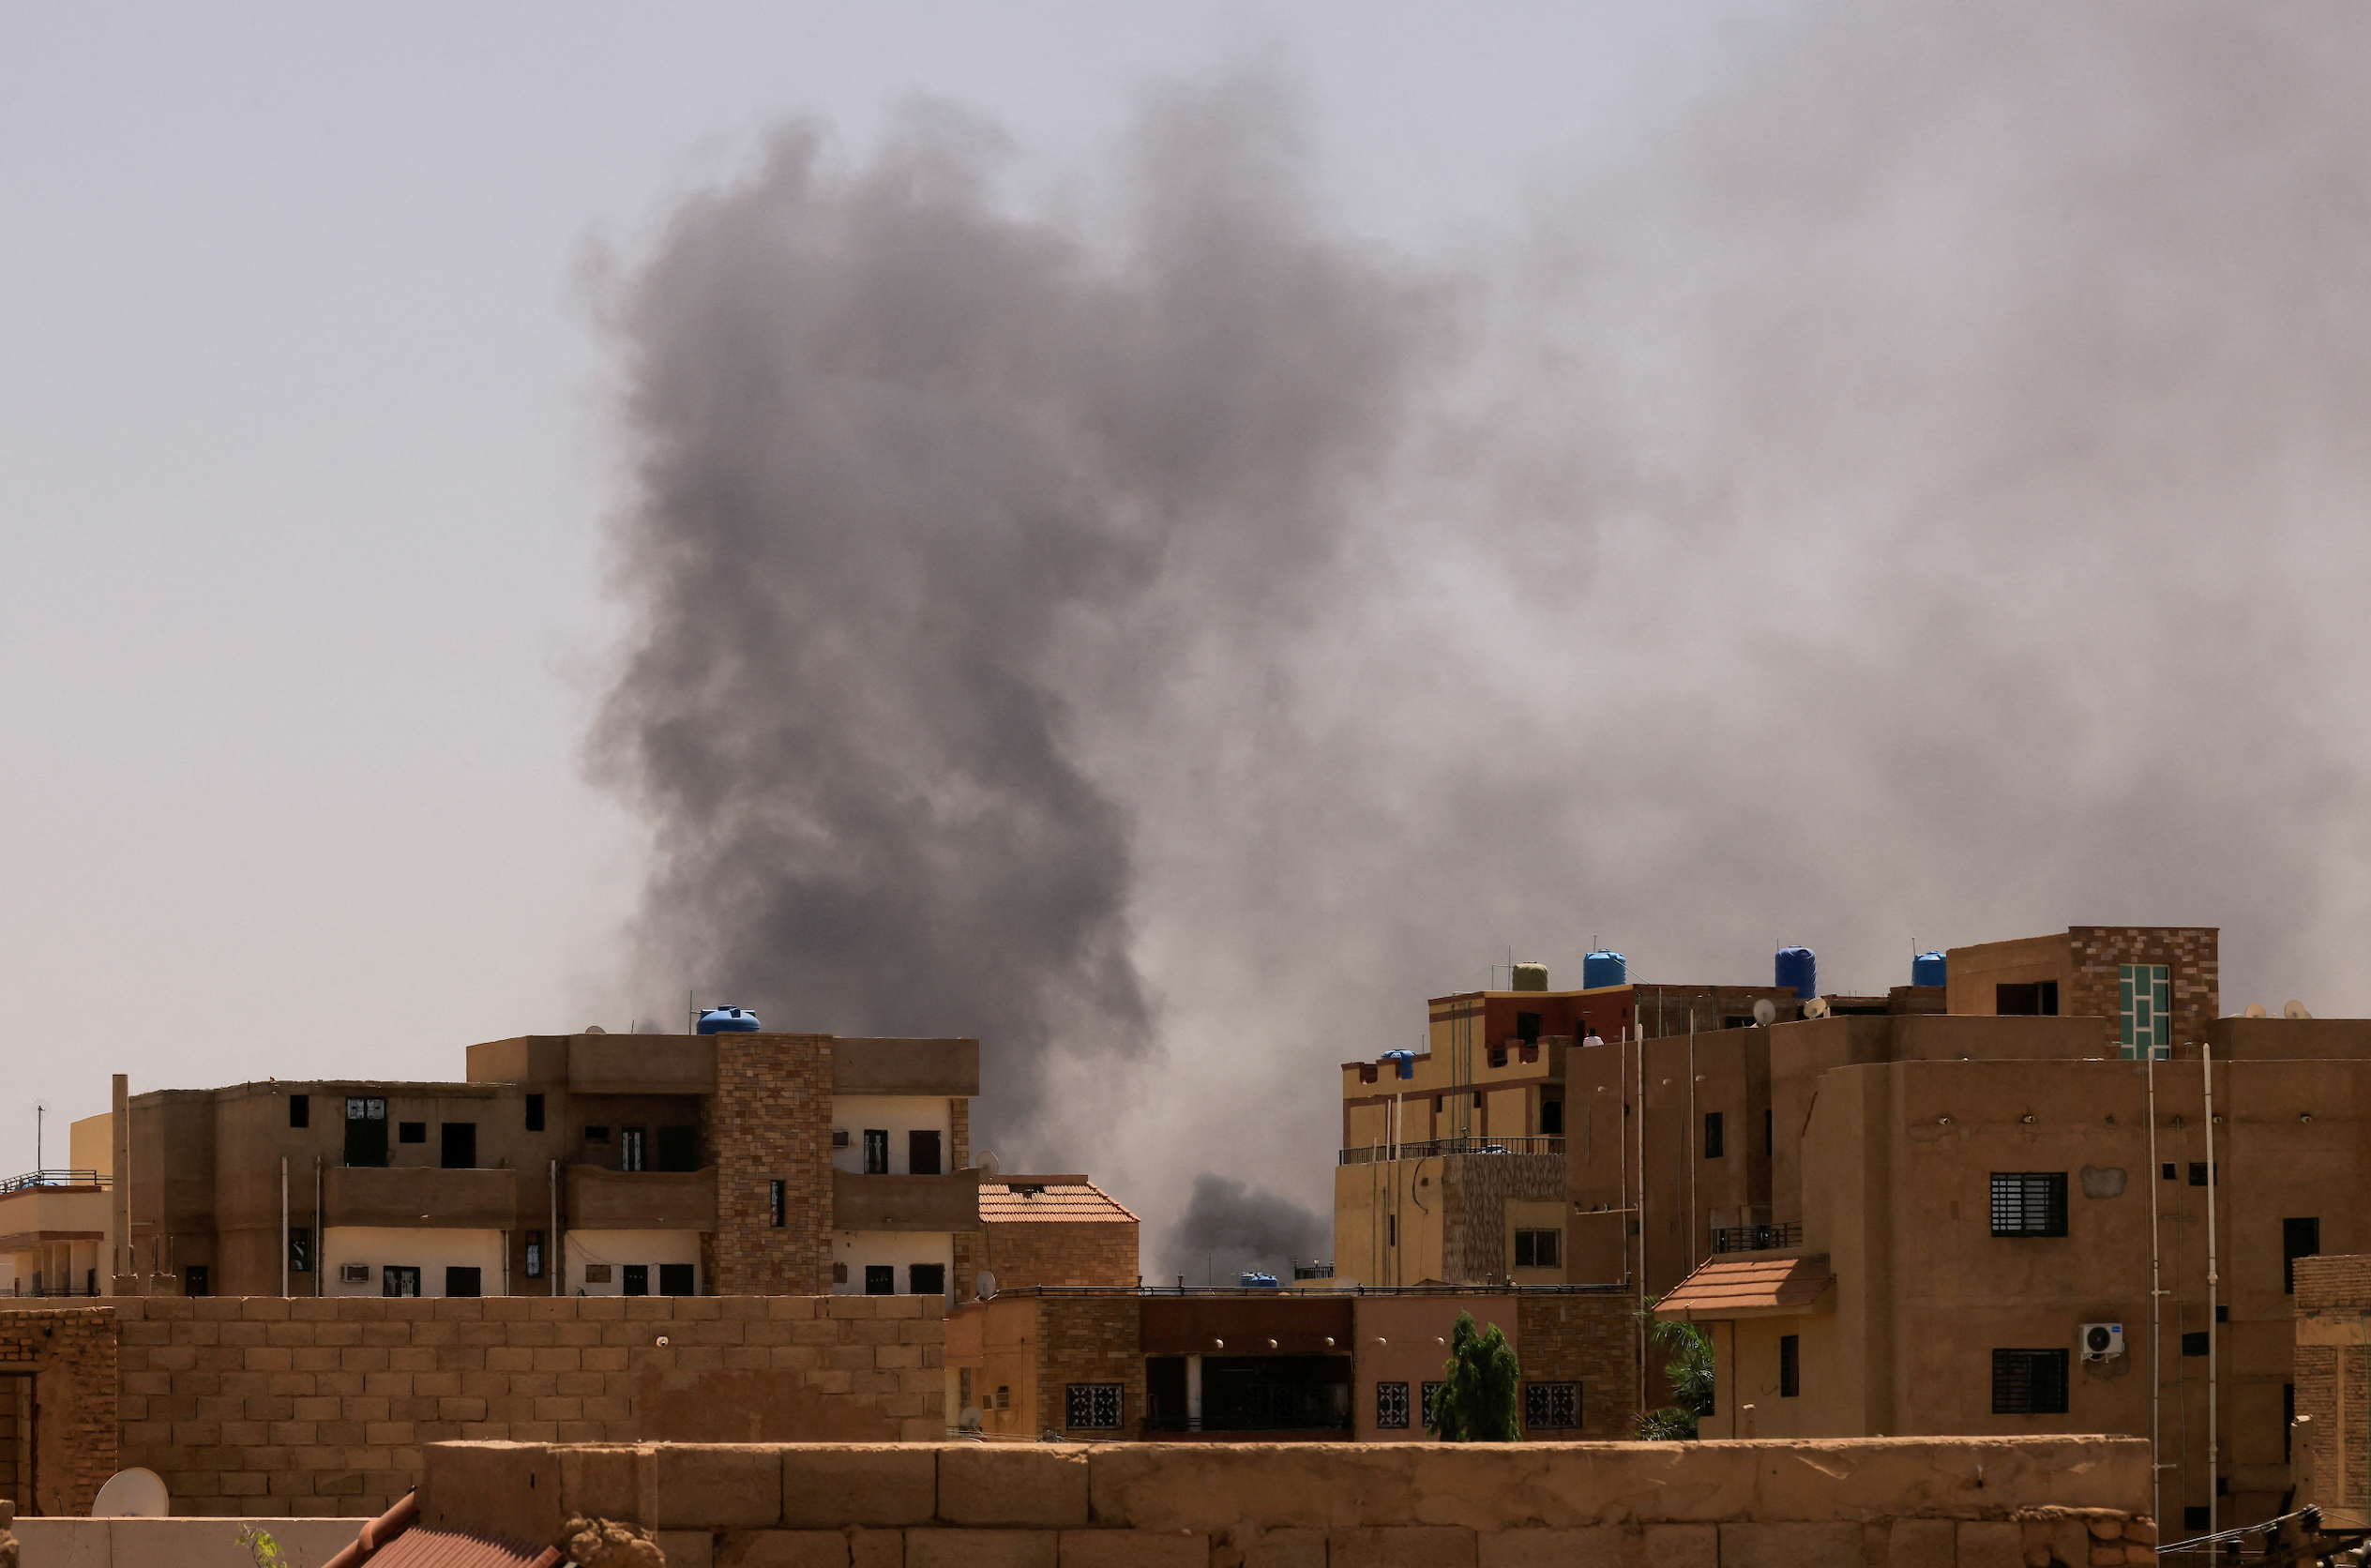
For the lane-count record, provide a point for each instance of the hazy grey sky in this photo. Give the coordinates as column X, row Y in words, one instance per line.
column 1874, row 479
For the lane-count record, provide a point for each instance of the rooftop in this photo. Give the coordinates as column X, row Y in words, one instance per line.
column 1048, row 1197
column 1748, row 1286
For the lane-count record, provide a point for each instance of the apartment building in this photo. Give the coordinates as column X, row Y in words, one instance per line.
column 1321, row 1364
column 594, row 1164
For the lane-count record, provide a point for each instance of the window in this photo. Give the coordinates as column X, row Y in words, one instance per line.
column 2144, row 1004
column 927, row 1279
column 922, row 1153
column 2298, row 1238
column 1539, row 1249
column 637, row 1279
column 1391, row 1407
column 2037, row 1000
column 677, row 1148
column 2197, row 1517
column 2194, row 1342
column 2029, row 1202
column 2198, row 1174
column 1430, row 1391
column 1391, row 1230
column 1551, row 1116
column 301, row 1249
column 1091, row 1407
column 1527, row 1027
column 1713, row 1143
column 365, row 1131
column 775, row 1202
column 535, row 1255
column 535, row 1113
column 839, row 1137
column 459, row 1146
column 354, row 1274
column 1789, row 1366
column 301, row 1110
column 193, row 1279
column 596, row 1274
column 2222, row 1312
column 876, row 1151
column 2172, row 1171
column 400, row 1279
column 1498, row 1056
column 631, row 1154
column 840, row 1273
column 596, row 1135
column 2028, row 1382
column 880, row 1279
column 461, row 1282
column 1551, row 1407
column 411, row 1132
column 679, row 1279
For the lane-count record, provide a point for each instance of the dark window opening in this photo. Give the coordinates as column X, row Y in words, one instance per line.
column 2298, row 1238
column 301, row 1110
column 775, row 1202
column 922, row 1153
column 2198, row 1174
column 2222, row 1312
column 880, row 1279
column 1769, row 1132
column 1391, row 1407
column 301, row 1249
column 677, row 1148
column 1498, row 1056
column 1551, row 1117
column 193, row 1279
column 459, row 1146
column 637, row 1279
column 2173, row 1171
column 535, row 1254
column 400, row 1279
column 1551, row 1407
column 1539, row 1249
column 535, row 1113
column 366, row 1132
column 1391, row 1230
column 1527, row 1027
column 1270, row 1394
column 2036, row 999
column 1790, row 1366
column 411, row 1132
column 876, row 1152
column 461, row 1282
column 631, row 1152
column 1091, row 1407
column 2028, row 1382
column 2195, row 1517
column 1712, row 1139
column 925, row 1279
column 2029, row 1202
column 2194, row 1342
column 596, row 1135
column 677, row 1279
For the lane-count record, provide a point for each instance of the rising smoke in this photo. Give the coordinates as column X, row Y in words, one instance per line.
column 1912, row 492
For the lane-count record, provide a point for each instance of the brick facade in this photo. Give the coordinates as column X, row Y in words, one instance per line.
column 2333, row 1376
column 771, row 1120
column 58, row 1370
column 1474, row 1193
column 2191, row 954
column 1090, row 1340
column 1587, row 1339
column 268, row 1406
column 967, row 1265
column 1022, row 1253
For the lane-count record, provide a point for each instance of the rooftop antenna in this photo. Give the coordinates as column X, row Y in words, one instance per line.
column 692, row 1009
column 40, row 1111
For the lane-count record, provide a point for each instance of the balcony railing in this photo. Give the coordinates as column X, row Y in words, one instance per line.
column 1756, row 1238
column 56, row 1179
column 36, row 1288
column 1267, row 1421
column 1375, row 1153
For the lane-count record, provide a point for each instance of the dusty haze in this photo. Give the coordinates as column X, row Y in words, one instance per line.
column 1909, row 493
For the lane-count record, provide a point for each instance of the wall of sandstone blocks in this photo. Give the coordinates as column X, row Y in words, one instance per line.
column 1890, row 1503
column 265, row 1406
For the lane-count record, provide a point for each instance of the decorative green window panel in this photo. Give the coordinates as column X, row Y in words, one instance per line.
column 2145, row 1002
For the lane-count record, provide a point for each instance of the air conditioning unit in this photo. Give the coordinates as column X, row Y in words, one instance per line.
column 354, row 1274
column 2101, row 1341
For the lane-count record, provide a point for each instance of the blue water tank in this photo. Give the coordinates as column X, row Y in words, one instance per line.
column 1406, row 1061
column 1604, row 969
column 728, row 1021
column 1261, row 1282
column 1799, row 970
column 1928, row 969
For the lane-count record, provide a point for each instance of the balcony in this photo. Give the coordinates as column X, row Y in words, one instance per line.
column 56, row 1179
column 602, row 1200
column 949, row 1202
column 1756, row 1238
column 641, row 1064
column 419, row 1197
column 1376, row 1154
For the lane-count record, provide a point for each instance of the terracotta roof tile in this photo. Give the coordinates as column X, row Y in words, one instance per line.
column 1009, row 1197
column 1725, row 1286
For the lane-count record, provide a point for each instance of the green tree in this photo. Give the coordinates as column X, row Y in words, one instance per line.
column 1477, row 1399
column 1690, row 1374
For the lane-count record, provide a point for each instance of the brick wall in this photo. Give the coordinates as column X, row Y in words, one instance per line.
column 2332, row 1442
column 1059, row 1252
column 265, row 1406
column 1474, row 1192
column 2191, row 953
column 1587, row 1339
column 1092, row 1339
column 967, row 1263
column 2054, row 1502
column 68, row 1353
column 771, row 1121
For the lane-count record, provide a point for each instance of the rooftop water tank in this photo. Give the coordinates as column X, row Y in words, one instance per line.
column 728, row 1021
column 1406, row 1061
column 1530, row 977
column 1798, row 970
column 1260, row 1282
column 1928, row 969
column 1604, row 969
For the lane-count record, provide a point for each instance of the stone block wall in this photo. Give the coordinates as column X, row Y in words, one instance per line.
column 1089, row 1339
column 1474, row 1192
column 1902, row 1502
column 1587, row 1339
column 967, row 1263
column 58, row 1370
column 770, row 1121
column 2329, row 1445
column 268, row 1405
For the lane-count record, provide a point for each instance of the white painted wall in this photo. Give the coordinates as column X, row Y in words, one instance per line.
column 428, row 1248
column 900, row 1248
column 897, row 1115
column 618, row 1248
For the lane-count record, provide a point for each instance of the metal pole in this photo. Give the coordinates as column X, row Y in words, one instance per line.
column 321, row 1236
column 2156, row 1299
column 554, row 1281
column 2213, row 1388
column 1689, row 1152
column 283, row 1227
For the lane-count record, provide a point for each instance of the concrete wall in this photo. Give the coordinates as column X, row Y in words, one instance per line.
column 179, row 1542
column 2068, row 1502
column 270, row 1406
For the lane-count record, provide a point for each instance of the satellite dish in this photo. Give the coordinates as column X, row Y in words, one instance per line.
column 1765, row 1011
column 595, row 1028
column 970, row 1418
column 1815, row 1008
column 2293, row 1009
column 2254, row 1010
column 988, row 1166
column 985, row 1283
column 132, row 1493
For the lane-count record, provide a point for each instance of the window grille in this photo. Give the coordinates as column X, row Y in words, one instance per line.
column 1551, row 1407
column 2028, row 1382
column 1092, row 1407
column 2029, row 1202
column 1391, row 1405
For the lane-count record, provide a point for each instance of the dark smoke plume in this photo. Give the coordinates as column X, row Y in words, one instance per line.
column 1228, row 1229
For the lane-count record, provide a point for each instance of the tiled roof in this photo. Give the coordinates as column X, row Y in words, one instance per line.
column 397, row 1539
column 1728, row 1288
column 1054, row 1197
